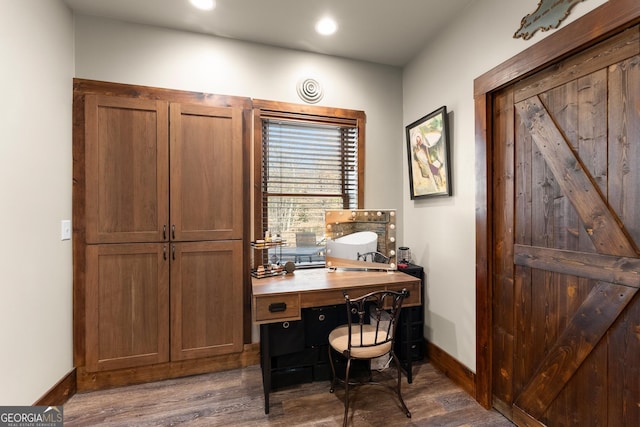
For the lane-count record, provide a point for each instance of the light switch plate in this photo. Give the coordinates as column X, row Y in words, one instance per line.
column 65, row 229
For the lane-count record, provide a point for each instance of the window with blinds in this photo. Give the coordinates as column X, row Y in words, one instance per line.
column 307, row 167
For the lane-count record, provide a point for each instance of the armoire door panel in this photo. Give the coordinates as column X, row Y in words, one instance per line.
column 206, row 299
column 127, row 302
column 127, row 161
column 206, row 173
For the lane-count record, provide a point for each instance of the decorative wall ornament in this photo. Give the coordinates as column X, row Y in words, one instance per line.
column 548, row 15
column 309, row 90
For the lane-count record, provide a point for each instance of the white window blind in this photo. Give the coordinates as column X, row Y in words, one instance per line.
column 307, row 167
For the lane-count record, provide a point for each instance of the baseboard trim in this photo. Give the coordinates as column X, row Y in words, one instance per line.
column 78, row 380
column 89, row 381
column 61, row 392
column 456, row 371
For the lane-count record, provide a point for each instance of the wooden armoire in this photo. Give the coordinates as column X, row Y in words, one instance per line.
column 159, row 203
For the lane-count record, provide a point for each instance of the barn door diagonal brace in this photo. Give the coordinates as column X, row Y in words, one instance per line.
column 593, row 318
column 601, row 224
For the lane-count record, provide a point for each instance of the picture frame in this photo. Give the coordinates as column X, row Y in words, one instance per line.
column 428, row 150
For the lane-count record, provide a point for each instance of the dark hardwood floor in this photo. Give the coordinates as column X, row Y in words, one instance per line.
column 235, row 398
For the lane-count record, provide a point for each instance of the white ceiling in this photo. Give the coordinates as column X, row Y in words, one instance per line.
column 387, row 32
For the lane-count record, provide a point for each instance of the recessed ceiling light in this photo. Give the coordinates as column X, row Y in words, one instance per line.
column 204, row 4
column 326, row 26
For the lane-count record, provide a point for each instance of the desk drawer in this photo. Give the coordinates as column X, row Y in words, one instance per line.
column 415, row 296
column 276, row 307
column 330, row 297
column 334, row 297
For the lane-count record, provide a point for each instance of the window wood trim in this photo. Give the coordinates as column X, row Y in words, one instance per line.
column 290, row 111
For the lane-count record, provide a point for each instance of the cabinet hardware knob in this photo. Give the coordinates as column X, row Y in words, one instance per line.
column 164, row 252
column 173, row 231
column 173, row 252
column 164, row 232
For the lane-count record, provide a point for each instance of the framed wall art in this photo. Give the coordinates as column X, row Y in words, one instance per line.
column 428, row 150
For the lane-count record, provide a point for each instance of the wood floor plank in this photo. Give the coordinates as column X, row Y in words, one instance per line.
column 235, row 398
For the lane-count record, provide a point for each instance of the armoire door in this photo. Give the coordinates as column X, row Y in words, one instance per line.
column 206, row 299
column 566, row 311
column 126, row 170
column 127, row 305
column 206, row 173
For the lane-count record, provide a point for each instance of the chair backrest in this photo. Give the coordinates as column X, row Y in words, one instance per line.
column 373, row 257
column 372, row 318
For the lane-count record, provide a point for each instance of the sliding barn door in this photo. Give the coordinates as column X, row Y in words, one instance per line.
column 566, row 310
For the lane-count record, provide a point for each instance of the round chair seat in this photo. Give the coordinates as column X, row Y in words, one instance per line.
column 339, row 340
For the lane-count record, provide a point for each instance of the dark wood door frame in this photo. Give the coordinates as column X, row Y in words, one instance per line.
column 602, row 22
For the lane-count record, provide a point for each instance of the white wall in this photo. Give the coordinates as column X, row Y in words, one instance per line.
column 441, row 231
column 35, row 193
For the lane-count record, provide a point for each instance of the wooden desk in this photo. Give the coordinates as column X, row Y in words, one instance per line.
column 282, row 298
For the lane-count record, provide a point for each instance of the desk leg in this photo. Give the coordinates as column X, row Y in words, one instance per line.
column 407, row 348
column 265, row 362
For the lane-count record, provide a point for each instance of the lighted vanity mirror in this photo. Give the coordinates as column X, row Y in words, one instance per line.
column 360, row 238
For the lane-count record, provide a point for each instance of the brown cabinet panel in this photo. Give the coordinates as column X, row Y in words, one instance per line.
column 206, row 299
column 206, row 173
column 126, row 145
column 127, row 303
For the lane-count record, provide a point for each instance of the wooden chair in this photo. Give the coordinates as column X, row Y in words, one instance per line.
column 368, row 334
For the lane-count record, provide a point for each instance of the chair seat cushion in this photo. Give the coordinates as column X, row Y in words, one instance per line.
column 338, row 339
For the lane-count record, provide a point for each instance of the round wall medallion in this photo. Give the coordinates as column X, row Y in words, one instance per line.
column 309, row 90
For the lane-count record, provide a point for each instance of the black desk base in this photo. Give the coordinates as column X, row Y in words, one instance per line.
column 296, row 352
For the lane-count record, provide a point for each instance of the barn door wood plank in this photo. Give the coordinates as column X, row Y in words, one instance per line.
column 624, row 149
column 612, row 50
column 592, row 320
column 619, row 270
column 522, row 419
column 600, row 223
column 502, row 283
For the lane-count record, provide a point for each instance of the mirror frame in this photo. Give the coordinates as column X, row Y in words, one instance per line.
column 343, row 222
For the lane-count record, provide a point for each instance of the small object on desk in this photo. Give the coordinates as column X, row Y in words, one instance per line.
column 289, row 267
column 404, row 255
